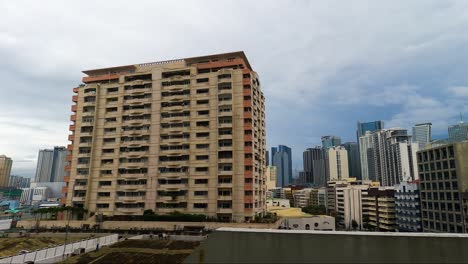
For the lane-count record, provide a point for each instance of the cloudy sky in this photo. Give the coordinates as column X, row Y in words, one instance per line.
column 324, row 65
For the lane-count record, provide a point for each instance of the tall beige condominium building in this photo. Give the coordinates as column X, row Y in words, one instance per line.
column 5, row 170
column 337, row 158
column 183, row 135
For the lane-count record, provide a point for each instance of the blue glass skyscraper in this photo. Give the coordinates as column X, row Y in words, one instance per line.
column 368, row 126
column 281, row 158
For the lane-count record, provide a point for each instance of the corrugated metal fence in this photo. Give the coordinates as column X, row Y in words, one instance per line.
column 55, row 254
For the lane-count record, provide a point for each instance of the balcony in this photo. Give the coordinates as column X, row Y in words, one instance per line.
column 131, row 187
column 72, row 127
column 68, row 158
column 76, row 89
column 225, row 197
column 138, row 101
column 136, row 132
column 132, row 175
column 131, row 199
column 225, row 185
column 248, row 149
column 64, row 189
column 138, row 91
column 174, row 187
column 224, row 211
column 248, row 138
column 134, row 164
column 75, row 98
column 136, row 211
column 134, row 143
column 68, row 168
column 80, row 187
column 70, row 147
column 74, row 108
column 138, row 111
column 78, row 198
column 71, row 137
column 73, row 118
column 134, row 154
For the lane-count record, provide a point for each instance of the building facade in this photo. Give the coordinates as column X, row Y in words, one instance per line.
column 371, row 127
column 354, row 160
column 458, row 132
column 443, row 182
column 51, row 165
column 330, row 141
column 183, row 135
column 422, row 134
column 390, row 155
column 381, row 209
column 407, row 207
column 315, row 166
column 271, row 176
column 281, row 158
column 5, row 170
column 19, row 182
column 337, row 158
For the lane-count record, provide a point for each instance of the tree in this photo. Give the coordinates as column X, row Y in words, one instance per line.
column 365, row 220
column 354, row 224
column 315, row 210
column 337, row 221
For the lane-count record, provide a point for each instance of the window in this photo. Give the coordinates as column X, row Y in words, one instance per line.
column 201, row 181
column 201, row 169
column 105, row 183
column 201, row 102
column 202, row 91
column 109, row 140
column 203, row 112
column 203, row 123
column 112, row 100
column 202, row 80
column 200, row 193
column 113, row 90
column 203, row 134
column 100, row 205
column 103, row 194
column 202, row 146
column 200, row 205
column 202, row 157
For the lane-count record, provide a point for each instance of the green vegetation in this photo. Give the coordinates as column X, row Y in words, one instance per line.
column 12, row 246
column 315, row 210
column 354, row 224
column 51, row 212
column 139, row 251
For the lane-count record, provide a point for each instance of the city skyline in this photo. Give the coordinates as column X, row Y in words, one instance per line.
column 330, row 84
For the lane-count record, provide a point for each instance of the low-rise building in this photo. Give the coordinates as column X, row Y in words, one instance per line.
column 407, row 207
column 313, row 222
column 381, row 208
column 282, row 203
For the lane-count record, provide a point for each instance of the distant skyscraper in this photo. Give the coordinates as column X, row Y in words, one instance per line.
column 422, row 134
column 51, row 165
column 315, row 166
column 368, row 126
column 5, row 170
column 267, row 158
column 19, row 182
column 458, row 132
column 337, row 158
column 394, row 157
column 330, row 141
column 366, row 156
column 354, row 161
column 281, row 158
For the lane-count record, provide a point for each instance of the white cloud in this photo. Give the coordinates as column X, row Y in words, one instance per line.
column 314, row 58
column 459, row 91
